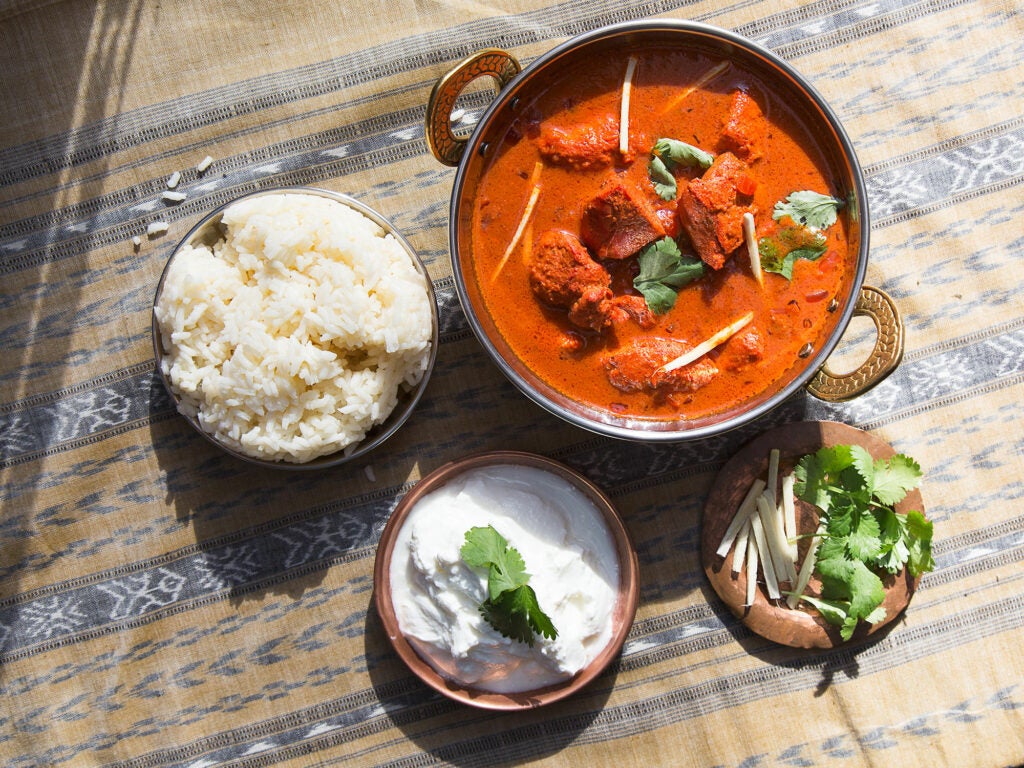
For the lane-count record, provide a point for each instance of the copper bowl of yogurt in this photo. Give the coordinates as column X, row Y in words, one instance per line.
column 582, row 564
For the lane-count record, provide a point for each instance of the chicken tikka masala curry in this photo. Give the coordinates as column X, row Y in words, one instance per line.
column 657, row 236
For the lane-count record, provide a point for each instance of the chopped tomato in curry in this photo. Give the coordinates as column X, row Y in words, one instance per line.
column 565, row 300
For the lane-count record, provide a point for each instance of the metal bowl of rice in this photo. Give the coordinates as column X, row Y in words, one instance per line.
column 295, row 328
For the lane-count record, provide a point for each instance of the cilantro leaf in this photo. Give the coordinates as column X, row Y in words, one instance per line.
column 833, row 611
column 505, row 615
column 832, row 547
column 524, row 601
column 773, row 261
column 861, row 532
column 511, row 607
column 662, row 179
column 893, row 550
column 482, row 547
column 851, row 580
column 876, row 615
column 812, row 209
column 864, row 541
column 815, row 473
column 864, row 465
column 919, row 533
column 486, row 548
column 666, row 155
column 507, row 574
column 659, row 297
column 516, row 614
column 894, row 478
column 781, row 251
column 837, row 612
column 835, row 459
column 680, row 153
column 839, row 520
column 663, row 270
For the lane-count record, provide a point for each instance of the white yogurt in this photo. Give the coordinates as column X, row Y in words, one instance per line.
column 569, row 554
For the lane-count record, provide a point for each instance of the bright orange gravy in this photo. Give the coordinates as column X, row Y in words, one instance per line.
column 787, row 314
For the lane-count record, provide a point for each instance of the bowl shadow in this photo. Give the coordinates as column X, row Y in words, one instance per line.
column 462, row 735
column 259, row 531
column 830, row 664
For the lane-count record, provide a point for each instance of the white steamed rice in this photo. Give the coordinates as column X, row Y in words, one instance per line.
column 291, row 338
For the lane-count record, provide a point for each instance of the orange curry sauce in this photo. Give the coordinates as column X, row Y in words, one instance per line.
column 787, row 314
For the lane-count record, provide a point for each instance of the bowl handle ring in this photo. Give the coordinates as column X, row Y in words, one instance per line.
column 441, row 139
column 883, row 360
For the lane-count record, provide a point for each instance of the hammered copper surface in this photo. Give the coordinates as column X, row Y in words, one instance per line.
column 625, row 605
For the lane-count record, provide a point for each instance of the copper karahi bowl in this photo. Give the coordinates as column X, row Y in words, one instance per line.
column 625, row 603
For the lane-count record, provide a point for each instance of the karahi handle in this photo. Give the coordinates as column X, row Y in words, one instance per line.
column 441, row 139
column 883, row 360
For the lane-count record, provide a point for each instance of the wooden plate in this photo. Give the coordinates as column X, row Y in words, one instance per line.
column 802, row 627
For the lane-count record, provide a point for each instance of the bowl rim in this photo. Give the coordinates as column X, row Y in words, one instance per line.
column 628, row 593
column 638, row 430
column 407, row 401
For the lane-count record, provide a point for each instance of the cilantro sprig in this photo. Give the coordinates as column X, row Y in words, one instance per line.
column 663, row 271
column 861, row 533
column 780, row 253
column 666, row 155
column 812, row 209
column 511, row 606
column 811, row 213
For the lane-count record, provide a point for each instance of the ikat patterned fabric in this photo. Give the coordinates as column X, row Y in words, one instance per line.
column 164, row 604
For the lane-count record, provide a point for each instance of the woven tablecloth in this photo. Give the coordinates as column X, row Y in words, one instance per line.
column 162, row 603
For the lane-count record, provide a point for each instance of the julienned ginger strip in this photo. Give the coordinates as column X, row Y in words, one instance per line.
column 700, row 82
column 527, row 212
column 750, row 238
column 706, row 346
column 627, row 87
